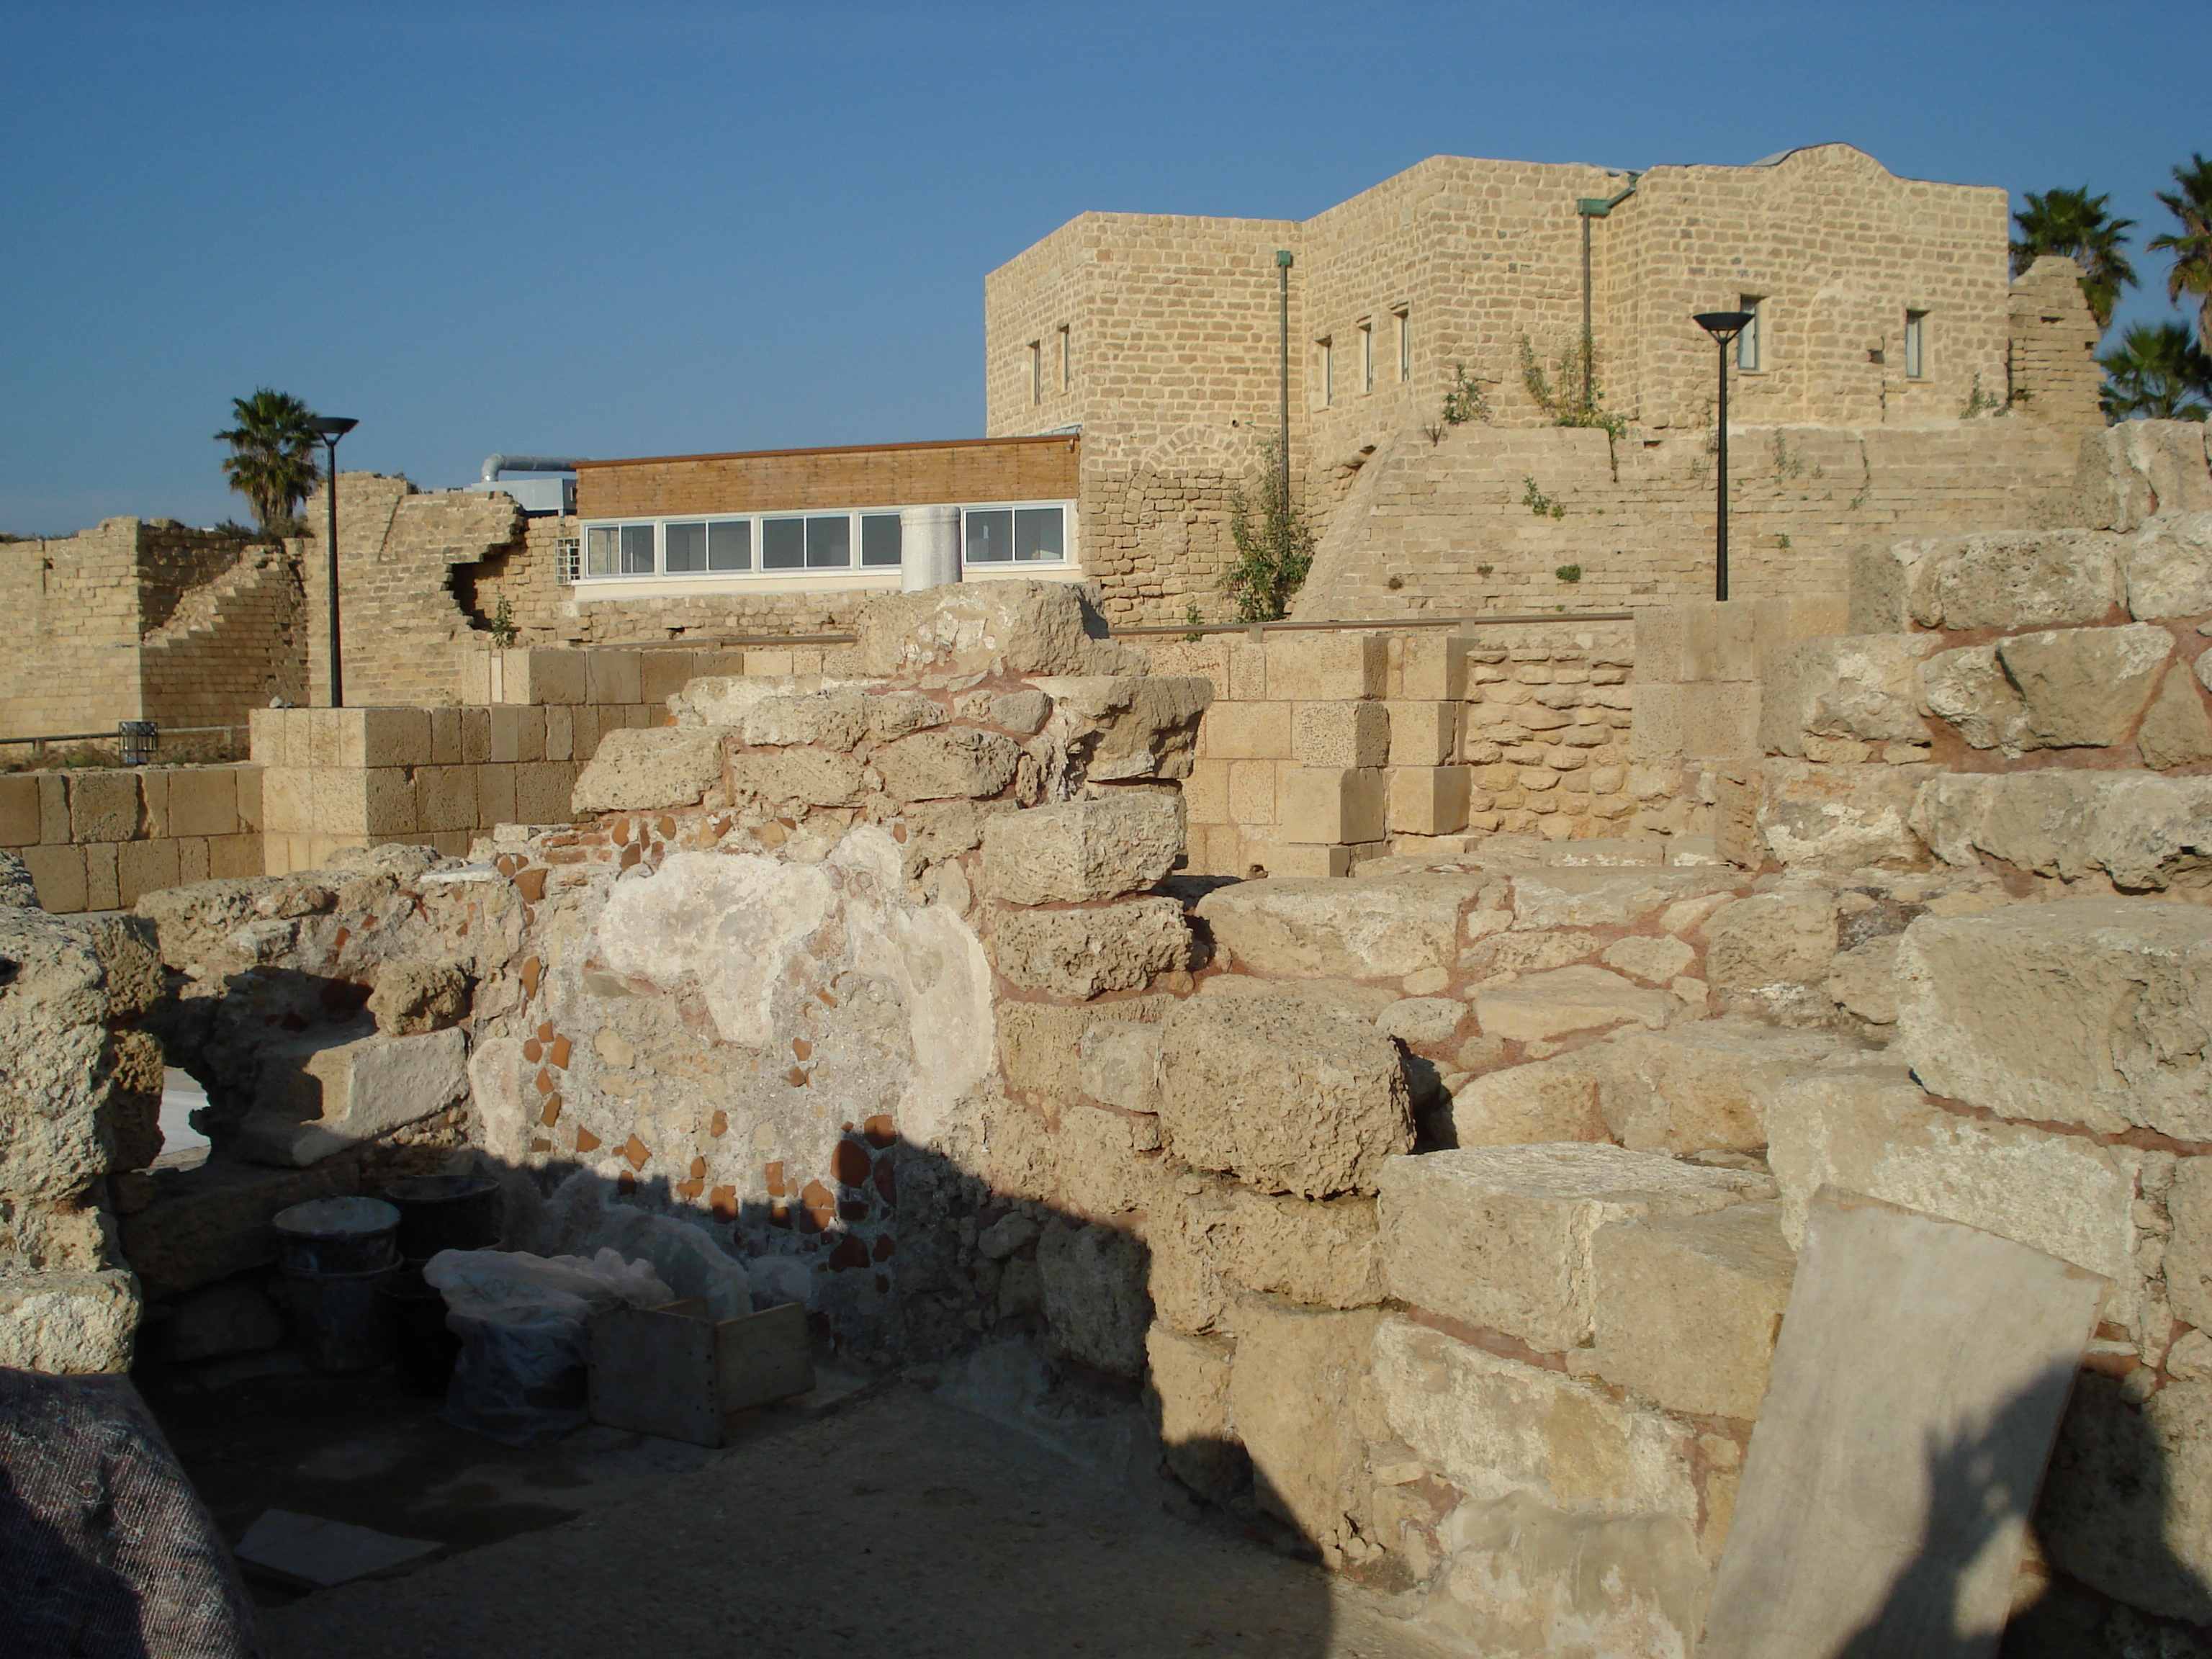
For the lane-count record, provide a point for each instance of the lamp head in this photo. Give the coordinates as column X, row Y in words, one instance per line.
column 1723, row 326
column 329, row 426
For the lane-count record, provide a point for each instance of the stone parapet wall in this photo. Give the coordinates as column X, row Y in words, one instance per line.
column 98, row 839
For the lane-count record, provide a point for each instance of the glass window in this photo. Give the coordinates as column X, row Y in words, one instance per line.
column 729, row 546
column 602, row 550
column 1915, row 344
column 1747, row 343
column 1038, row 534
column 879, row 538
column 829, row 543
column 988, row 538
column 685, row 547
column 783, row 544
column 637, row 550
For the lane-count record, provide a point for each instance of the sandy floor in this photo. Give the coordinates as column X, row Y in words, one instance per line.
column 898, row 1527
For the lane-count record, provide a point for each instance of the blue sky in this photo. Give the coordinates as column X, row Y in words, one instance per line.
column 638, row 228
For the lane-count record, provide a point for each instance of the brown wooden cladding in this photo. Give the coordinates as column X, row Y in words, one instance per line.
column 875, row 475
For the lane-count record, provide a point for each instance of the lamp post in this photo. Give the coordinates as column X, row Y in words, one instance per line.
column 329, row 429
column 1723, row 326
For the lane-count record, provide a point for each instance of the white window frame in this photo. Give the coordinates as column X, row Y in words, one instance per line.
column 1750, row 347
column 1916, row 345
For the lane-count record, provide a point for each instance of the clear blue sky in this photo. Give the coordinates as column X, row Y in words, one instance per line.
column 638, row 228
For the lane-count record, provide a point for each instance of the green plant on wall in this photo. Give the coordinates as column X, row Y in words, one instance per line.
column 503, row 632
column 1569, row 572
column 1275, row 546
column 1464, row 399
column 1194, row 621
column 1538, row 502
column 1571, row 394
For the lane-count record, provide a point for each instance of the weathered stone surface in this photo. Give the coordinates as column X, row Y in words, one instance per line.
column 2167, row 565
column 210, row 1222
column 1119, row 1063
column 313, row 1101
column 1500, row 1236
column 69, row 1323
column 1494, row 1427
column 1687, row 1307
column 1861, row 686
column 1528, row 1582
column 1189, row 1377
column 1839, row 817
column 1543, row 1006
column 830, row 719
column 1041, row 1045
column 1095, row 1296
column 1104, row 1173
column 1656, row 961
column 725, row 699
column 1605, row 897
column 1787, row 937
column 1323, row 1254
column 1189, row 1236
column 1913, row 1396
column 1296, row 1371
column 2127, row 1504
column 2140, row 828
column 646, row 767
column 1864, row 980
column 1321, row 928
column 1869, row 1128
column 1969, row 689
column 2176, row 731
column 1341, row 733
column 1121, row 727
column 959, row 761
column 2188, row 1259
column 809, row 777
column 1286, row 1096
column 1082, row 849
column 2138, row 470
column 2083, row 687
column 1698, row 1087
column 891, row 715
column 17, row 889
column 414, row 997
column 1546, row 1100
column 2040, row 578
column 1020, row 711
column 55, row 1056
column 1423, row 1022
column 1080, row 953
column 1364, row 1003
column 1015, row 627
column 2087, row 1011
column 234, row 1317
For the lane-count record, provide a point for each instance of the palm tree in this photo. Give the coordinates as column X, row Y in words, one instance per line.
column 2074, row 223
column 2159, row 373
column 272, row 456
column 2192, row 247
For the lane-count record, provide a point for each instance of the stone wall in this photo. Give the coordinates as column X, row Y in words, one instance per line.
column 98, row 838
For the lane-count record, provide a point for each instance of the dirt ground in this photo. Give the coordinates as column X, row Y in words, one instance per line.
column 897, row 1526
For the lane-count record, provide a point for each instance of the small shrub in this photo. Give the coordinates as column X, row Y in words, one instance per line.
column 1193, row 621
column 1569, row 572
column 503, row 631
column 1538, row 502
column 1464, row 399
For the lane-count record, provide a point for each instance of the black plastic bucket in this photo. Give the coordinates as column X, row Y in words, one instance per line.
column 447, row 1213
column 422, row 1349
column 335, row 1318
column 336, row 1235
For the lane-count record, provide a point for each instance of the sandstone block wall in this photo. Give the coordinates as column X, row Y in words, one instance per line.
column 97, row 839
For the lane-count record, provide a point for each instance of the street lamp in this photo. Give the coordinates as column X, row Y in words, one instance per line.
column 1723, row 326
column 329, row 429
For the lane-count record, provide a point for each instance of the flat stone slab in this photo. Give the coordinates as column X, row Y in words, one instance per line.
column 1914, row 1396
column 308, row 1553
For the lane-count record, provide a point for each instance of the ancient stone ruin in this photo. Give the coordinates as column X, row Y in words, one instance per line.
column 1439, row 1219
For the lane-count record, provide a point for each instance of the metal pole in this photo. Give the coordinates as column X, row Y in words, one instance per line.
column 1589, row 386
column 331, row 566
column 1283, row 272
column 1720, row 513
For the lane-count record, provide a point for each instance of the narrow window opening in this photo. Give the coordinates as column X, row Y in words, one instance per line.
column 1915, row 344
column 1327, row 371
column 1036, row 371
column 1367, row 356
column 1405, row 345
column 1066, row 360
column 1747, row 343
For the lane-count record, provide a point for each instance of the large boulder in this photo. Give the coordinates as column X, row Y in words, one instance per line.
column 2168, row 566
column 1002, row 627
column 1083, row 850
column 1118, row 727
column 2141, row 829
column 645, row 767
column 2010, row 579
column 1859, row 686
column 1321, row 927
column 2082, row 688
column 1082, row 952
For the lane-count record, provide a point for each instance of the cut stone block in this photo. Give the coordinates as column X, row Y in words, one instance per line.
column 2139, row 828
column 68, row 1323
column 2187, row 1264
column 1500, row 1236
column 1019, row 627
column 959, row 762
column 1122, row 726
column 1188, row 1377
column 2040, row 579
column 1295, row 1368
column 1341, row 734
column 1119, row 1063
column 1422, row 1022
column 308, row 1553
column 311, row 1102
column 650, row 767
column 1687, row 1307
column 1547, row 1100
column 1323, row 1254
column 1916, row 1390
column 1094, row 1294
column 1322, row 928
column 1839, row 818
column 829, row 719
column 1330, row 667
column 1495, row 1427
column 1771, row 939
column 1286, row 1096
column 1969, row 688
column 1428, row 800
column 1860, row 686
column 1083, row 850
column 1704, row 1086
column 1605, row 897
column 2167, row 566
column 2090, row 1010
column 1332, row 804
column 1079, row 953
column 2083, row 687
column 2176, row 731
column 1425, row 733
column 1580, row 998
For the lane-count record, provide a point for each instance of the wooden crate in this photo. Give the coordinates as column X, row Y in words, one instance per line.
column 672, row 1372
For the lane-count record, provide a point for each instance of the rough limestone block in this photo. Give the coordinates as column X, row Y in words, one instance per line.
column 2139, row 828
column 657, row 767
column 1326, row 665
column 1324, row 1254
column 1870, row 1128
column 384, row 737
column 1545, row 1101
column 2126, row 1506
column 1769, row 939
column 1422, row 1022
column 1969, row 689
column 2045, row 578
column 2188, row 1261
column 1188, row 1376
column 1428, row 800
column 1294, row 1371
column 1094, row 1294
column 1539, row 1006
column 69, row 1324
column 1608, row 897
column 311, row 1102
column 832, row 719
column 1286, row 1096
column 1861, row 686
column 1655, row 961
column 2129, row 471
column 2167, row 566
column 1079, row 953
column 2176, row 731
column 1040, row 1046
column 1425, row 733
column 894, row 713
column 2083, row 687
column 1494, row 1427
column 813, row 777
column 203, row 801
column 414, row 997
column 1500, row 1236
column 103, row 806
column 1699, row 1087
column 1119, row 1063
column 1341, row 734
column 1687, row 1308
column 1026, row 627
column 1103, row 1170
column 1318, row 928
column 1332, row 804
column 211, row 1221
column 1839, row 818
column 1248, row 731
column 18, row 811
column 2090, row 1010
column 1081, row 850
column 960, row 763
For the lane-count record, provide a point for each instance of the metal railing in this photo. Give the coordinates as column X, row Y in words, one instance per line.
column 136, row 742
